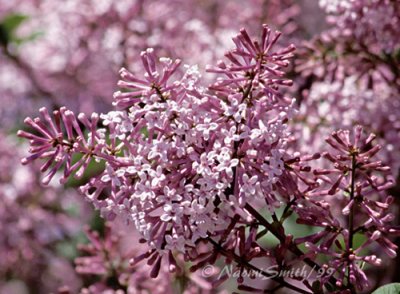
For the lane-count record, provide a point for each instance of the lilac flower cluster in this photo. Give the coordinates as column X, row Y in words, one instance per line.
column 107, row 256
column 349, row 76
column 351, row 180
column 346, row 103
column 168, row 179
column 202, row 172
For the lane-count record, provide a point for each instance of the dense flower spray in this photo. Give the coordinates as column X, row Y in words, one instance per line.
column 107, row 257
column 168, row 179
column 205, row 172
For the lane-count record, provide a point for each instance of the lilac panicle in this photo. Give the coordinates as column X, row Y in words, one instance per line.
column 198, row 145
column 353, row 181
column 58, row 138
column 193, row 168
column 151, row 85
column 255, row 62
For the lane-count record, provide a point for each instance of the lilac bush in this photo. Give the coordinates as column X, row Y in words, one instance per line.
column 273, row 170
column 205, row 172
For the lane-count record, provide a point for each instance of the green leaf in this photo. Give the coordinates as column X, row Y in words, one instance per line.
column 8, row 25
column 393, row 288
column 396, row 55
column 11, row 22
column 97, row 223
column 32, row 37
column 94, row 168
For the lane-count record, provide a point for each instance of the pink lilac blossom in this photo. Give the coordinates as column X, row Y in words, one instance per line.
column 203, row 164
column 345, row 104
column 351, row 77
column 193, row 167
column 107, row 257
column 351, row 181
column 158, row 174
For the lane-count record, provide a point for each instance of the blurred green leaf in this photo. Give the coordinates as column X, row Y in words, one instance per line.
column 358, row 240
column 269, row 240
column 97, row 223
column 8, row 26
column 68, row 247
column 3, row 36
column 31, row 37
column 11, row 22
column 298, row 230
column 94, row 168
column 393, row 288
column 396, row 55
